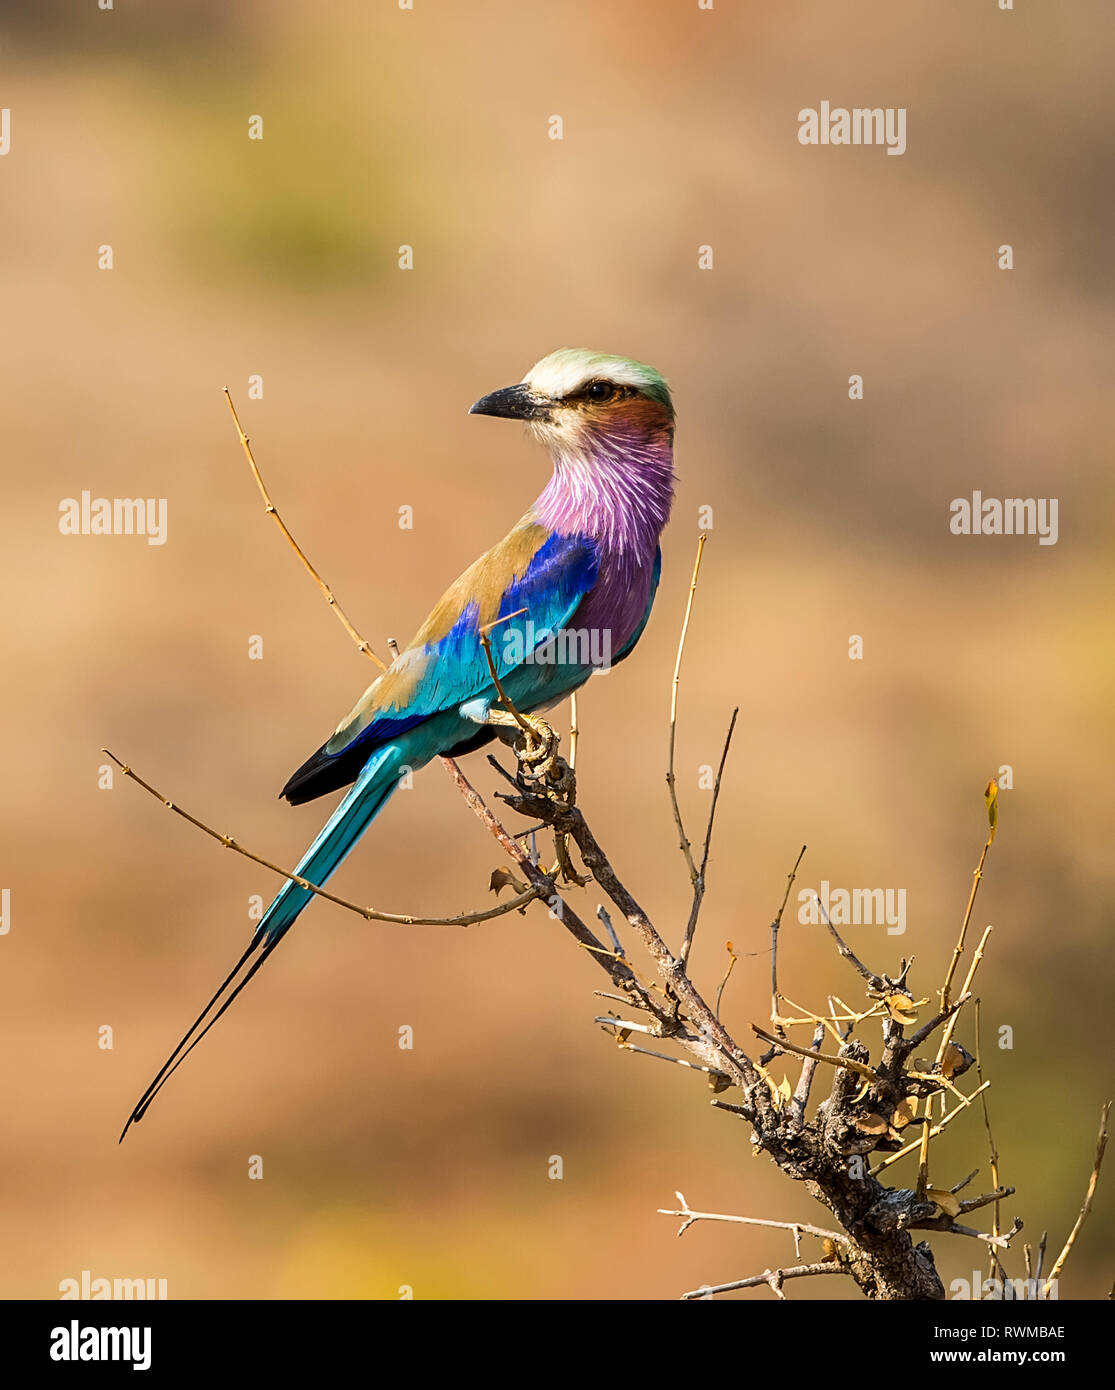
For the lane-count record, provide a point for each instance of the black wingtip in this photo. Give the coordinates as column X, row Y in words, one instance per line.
column 324, row 772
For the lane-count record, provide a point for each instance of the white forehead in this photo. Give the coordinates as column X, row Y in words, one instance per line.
column 568, row 369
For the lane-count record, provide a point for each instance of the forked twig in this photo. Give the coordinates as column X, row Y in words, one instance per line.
column 798, row 1227
column 772, row 1277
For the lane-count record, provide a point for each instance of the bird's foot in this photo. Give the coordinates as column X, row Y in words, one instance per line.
column 533, row 742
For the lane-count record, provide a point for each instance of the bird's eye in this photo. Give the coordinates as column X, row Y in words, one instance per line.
column 600, row 391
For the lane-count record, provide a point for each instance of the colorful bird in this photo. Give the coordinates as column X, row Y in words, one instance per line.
column 574, row 579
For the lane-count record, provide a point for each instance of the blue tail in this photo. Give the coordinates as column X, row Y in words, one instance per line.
column 369, row 794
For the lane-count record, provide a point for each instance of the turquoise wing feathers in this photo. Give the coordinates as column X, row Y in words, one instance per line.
column 531, row 585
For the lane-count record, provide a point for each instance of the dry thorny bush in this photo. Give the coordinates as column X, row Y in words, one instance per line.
column 884, row 1102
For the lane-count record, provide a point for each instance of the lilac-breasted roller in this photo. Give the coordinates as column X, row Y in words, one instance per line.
column 575, row 580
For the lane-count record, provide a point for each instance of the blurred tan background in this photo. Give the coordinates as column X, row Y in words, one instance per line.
column 428, row 1167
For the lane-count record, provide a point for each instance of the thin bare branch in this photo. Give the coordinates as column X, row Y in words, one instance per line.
column 269, row 506
column 624, row 1025
column 994, row 1240
column 741, row 1110
column 732, row 958
column 686, row 848
column 714, row 1072
column 966, row 990
column 875, row 981
column 984, row 1200
column 700, row 882
column 800, row 1097
column 800, row 1227
column 993, row 1151
column 773, row 1278
column 1101, row 1145
column 923, row 1148
column 776, row 923
column 371, row 914
column 602, row 913
column 958, row 949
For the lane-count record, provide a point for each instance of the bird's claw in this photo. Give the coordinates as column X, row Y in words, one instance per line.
column 535, row 745
column 536, row 748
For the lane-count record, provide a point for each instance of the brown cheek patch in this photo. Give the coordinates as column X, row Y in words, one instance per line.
column 639, row 414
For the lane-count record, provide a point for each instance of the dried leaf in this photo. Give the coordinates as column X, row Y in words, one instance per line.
column 901, row 1008
column 501, row 878
column 952, row 1061
column 718, row 1082
column 872, row 1124
column 829, row 1247
column 903, row 1115
column 991, row 797
column 947, row 1201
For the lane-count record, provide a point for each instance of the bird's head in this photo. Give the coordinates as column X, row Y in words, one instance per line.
column 574, row 396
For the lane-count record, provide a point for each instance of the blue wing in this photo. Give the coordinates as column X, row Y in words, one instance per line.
column 534, row 581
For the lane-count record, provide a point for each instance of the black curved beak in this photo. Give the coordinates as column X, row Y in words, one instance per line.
column 513, row 403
